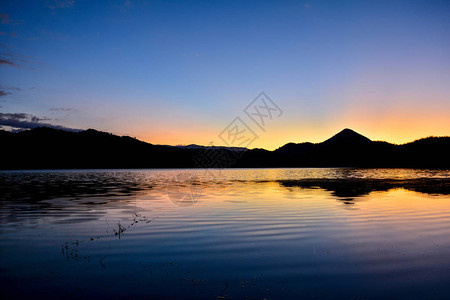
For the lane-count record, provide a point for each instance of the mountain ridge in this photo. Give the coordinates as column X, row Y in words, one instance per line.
column 48, row 148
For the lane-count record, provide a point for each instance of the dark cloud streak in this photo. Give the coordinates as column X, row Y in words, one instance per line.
column 27, row 121
column 6, row 62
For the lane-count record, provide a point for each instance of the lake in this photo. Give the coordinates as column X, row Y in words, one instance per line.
column 335, row 233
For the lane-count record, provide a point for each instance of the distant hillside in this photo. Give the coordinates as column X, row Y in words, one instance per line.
column 47, row 148
column 349, row 148
column 193, row 146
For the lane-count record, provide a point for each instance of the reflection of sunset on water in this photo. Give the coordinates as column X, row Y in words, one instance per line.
column 280, row 229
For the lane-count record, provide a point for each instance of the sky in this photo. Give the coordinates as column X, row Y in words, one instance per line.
column 181, row 72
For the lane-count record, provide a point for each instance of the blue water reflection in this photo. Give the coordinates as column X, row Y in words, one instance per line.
column 236, row 234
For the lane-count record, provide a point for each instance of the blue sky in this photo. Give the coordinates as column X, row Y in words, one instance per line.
column 178, row 72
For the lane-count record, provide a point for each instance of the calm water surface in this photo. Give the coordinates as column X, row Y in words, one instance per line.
column 225, row 234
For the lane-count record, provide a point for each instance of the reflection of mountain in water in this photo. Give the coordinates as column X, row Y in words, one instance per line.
column 95, row 187
column 68, row 196
column 34, row 187
column 355, row 187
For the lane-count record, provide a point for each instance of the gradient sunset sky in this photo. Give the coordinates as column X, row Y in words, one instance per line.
column 178, row 72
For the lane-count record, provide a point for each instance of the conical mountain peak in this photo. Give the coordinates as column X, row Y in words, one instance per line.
column 347, row 136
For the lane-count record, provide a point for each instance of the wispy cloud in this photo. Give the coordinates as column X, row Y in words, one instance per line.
column 28, row 121
column 3, row 93
column 15, row 60
column 61, row 4
column 65, row 109
column 11, row 88
column 5, row 19
column 6, row 62
column 6, row 90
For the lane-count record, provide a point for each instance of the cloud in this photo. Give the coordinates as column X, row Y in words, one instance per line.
column 3, row 93
column 62, row 109
column 28, row 121
column 6, row 62
column 6, row 90
column 61, row 4
column 15, row 60
column 11, row 88
column 5, row 18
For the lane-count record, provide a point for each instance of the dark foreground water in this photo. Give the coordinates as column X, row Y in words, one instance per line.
column 225, row 234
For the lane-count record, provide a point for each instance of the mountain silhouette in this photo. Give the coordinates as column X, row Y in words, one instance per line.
column 347, row 137
column 351, row 149
column 48, row 148
column 342, row 144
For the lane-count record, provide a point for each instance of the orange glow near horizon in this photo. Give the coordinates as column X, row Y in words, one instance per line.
column 398, row 129
column 404, row 118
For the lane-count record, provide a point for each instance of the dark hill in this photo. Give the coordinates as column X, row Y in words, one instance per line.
column 47, row 148
column 351, row 149
column 291, row 149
